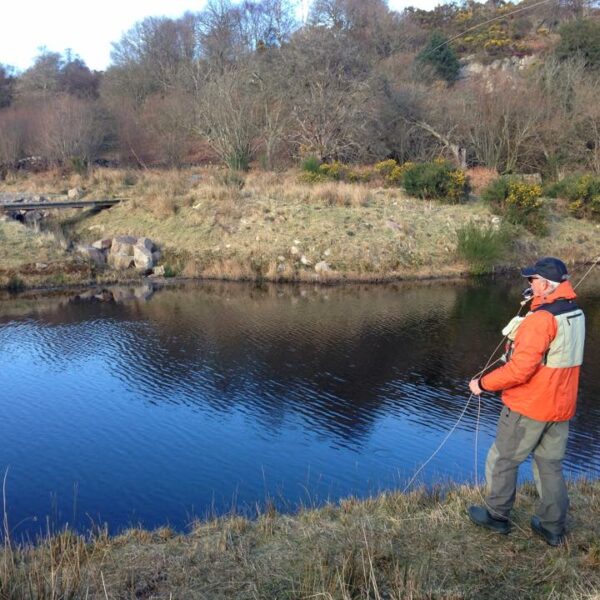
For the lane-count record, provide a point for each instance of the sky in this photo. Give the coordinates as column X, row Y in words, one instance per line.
column 89, row 28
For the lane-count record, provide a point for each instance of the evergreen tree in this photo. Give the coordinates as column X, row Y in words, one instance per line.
column 580, row 38
column 441, row 57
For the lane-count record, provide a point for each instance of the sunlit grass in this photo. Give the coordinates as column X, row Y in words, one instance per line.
column 416, row 545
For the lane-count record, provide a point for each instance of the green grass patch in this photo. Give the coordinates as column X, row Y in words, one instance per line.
column 482, row 246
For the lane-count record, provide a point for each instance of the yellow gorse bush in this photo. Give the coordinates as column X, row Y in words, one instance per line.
column 525, row 197
column 457, row 185
column 587, row 198
column 392, row 172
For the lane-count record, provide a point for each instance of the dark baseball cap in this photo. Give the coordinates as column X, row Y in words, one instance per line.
column 549, row 268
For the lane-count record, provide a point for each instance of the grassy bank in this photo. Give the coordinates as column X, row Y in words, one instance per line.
column 214, row 224
column 417, row 545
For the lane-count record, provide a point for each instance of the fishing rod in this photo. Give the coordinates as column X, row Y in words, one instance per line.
column 527, row 296
column 496, row 18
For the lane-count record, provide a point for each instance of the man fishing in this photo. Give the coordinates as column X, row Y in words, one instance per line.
column 539, row 385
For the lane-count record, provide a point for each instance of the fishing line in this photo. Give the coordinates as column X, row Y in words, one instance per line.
column 497, row 18
column 477, row 487
column 587, row 273
column 442, row 443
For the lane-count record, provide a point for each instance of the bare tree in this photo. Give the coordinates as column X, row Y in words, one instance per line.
column 14, row 129
column 69, row 128
column 229, row 115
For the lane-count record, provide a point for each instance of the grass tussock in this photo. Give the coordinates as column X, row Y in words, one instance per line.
column 482, row 247
column 269, row 226
column 393, row 546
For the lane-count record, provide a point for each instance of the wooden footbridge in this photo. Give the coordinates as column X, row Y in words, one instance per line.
column 8, row 205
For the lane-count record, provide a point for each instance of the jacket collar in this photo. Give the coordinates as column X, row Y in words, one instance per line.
column 564, row 291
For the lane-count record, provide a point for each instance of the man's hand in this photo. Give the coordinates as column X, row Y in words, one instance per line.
column 474, row 387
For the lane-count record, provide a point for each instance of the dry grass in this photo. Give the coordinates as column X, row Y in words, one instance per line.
column 394, row 546
column 212, row 223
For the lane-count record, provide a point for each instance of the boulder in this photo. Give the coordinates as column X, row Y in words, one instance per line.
column 159, row 271
column 123, row 244
column 145, row 242
column 535, row 178
column 94, row 254
column 120, row 261
column 156, row 256
column 102, row 244
column 142, row 258
column 305, row 261
column 32, row 217
column 322, row 267
column 74, row 193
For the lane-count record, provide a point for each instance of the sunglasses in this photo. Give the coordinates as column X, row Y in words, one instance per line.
column 532, row 279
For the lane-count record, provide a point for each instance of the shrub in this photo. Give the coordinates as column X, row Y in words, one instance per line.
column 580, row 38
column 231, row 178
column 385, row 167
column 311, row 164
column 392, row 172
column 439, row 180
column 518, row 201
column 565, row 188
column 585, row 198
column 439, row 54
column 481, row 247
column 335, row 171
column 130, row 178
column 496, row 192
column 480, row 178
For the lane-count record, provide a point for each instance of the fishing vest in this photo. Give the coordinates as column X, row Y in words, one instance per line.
column 566, row 349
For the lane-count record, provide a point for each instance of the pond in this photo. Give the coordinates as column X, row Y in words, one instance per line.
column 154, row 407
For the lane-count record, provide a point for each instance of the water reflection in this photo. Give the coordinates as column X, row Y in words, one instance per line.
column 160, row 404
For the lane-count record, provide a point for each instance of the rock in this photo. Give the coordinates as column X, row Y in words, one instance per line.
column 294, row 250
column 297, row 242
column 305, row 261
column 280, row 267
column 102, row 244
column 41, row 266
column 281, row 258
column 159, row 271
column 142, row 258
column 94, row 254
column 145, row 242
column 74, row 193
column 120, row 261
column 322, row 267
column 327, row 252
column 32, row 217
column 123, row 244
column 535, row 178
column 156, row 256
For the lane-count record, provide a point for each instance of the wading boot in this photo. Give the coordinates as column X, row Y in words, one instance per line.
column 480, row 516
column 552, row 539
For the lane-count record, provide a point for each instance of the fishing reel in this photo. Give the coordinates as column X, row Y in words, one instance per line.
column 527, row 295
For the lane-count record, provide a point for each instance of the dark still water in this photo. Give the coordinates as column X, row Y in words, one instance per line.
column 206, row 398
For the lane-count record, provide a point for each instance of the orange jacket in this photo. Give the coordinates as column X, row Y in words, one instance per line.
column 528, row 386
